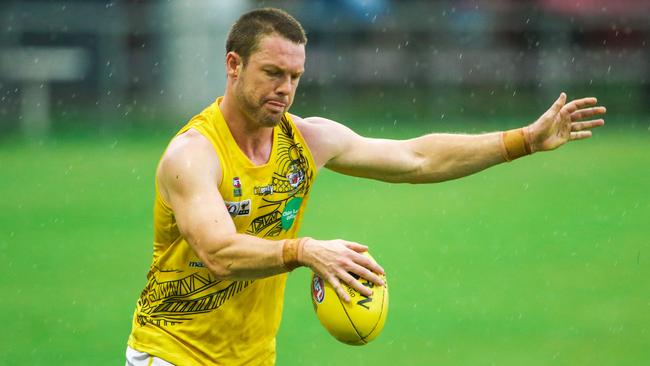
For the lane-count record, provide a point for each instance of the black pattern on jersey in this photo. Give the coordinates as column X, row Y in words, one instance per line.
column 172, row 302
column 290, row 159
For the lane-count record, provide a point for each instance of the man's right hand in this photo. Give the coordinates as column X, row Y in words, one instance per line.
column 335, row 260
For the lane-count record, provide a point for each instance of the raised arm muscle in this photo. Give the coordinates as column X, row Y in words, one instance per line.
column 425, row 159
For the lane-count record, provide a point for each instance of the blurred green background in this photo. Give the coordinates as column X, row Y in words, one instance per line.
column 541, row 261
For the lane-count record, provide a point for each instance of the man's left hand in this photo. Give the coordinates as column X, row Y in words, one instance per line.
column 564, row 122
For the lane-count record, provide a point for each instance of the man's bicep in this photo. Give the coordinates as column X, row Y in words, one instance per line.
column 200, row 212
column 381, row 159
column 339, row 148
column 189, row 179
column 385, row 160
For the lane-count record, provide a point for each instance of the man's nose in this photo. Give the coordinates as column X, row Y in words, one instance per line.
column 284, row 86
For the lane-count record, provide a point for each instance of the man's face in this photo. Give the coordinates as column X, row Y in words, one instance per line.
column 266, row 85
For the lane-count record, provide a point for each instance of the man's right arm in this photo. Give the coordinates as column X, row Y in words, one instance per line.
column 439, row 157
column 188, row 177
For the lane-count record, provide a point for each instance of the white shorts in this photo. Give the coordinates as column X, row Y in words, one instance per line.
column 137, row 358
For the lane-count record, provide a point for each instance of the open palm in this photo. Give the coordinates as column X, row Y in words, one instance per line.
column 563, row 122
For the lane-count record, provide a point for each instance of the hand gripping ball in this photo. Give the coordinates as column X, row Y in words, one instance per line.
column 357, row 322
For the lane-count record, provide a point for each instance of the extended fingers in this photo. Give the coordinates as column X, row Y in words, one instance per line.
column 355, row 284
column 359, row 248
column 574, row 105
column 580, row 135
column 364, row 272
column 586, row 125
column 363, row 260
column 334, row 281
column 587, row 112
column 559, row 103
column 354, row 269
column 369, row 263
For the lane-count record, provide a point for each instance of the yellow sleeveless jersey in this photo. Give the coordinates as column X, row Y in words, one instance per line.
column 186, row 316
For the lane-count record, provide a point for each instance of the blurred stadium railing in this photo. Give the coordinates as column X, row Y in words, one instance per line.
column 163, row 60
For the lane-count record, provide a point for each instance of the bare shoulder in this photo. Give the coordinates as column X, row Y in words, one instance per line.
column 191, row 142
column 190, row 159
column 325, row 138
column 316, row 125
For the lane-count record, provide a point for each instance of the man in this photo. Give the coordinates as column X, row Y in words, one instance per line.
column 232, row 186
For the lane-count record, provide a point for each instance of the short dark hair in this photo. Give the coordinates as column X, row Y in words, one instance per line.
column 245, row 34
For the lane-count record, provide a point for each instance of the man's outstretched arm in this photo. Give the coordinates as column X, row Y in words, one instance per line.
column 440, row 157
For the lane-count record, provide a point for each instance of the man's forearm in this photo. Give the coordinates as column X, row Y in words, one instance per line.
column 246, row 257
column 450, row 156
column 243, row 257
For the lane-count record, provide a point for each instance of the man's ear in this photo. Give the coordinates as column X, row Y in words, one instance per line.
column 234, row 63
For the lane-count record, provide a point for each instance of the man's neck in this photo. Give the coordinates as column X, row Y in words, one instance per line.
column 255, row 141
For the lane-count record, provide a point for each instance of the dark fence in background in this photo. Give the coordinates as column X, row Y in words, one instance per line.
column 117, row 61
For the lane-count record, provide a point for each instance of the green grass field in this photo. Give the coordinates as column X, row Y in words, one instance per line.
column 544, row 261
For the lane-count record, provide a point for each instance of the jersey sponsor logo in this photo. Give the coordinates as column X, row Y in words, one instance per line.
column 318, row 289
column 232, row 208
column 290, row 212
column 196, row 264
column 245, row 208
column 239, row 208
column 263, row 190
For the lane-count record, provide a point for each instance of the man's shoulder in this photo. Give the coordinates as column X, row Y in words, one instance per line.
column 311, row 128
column 319, row 127
column 189, row 155
column 313, row 121
column 324, row 137
column 190, row 141
column 314, row 127
column 189, row 148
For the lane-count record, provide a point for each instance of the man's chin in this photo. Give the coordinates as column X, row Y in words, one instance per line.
column 271, row 120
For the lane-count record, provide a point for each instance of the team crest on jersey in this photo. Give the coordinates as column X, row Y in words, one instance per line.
column 239, row 208
column 236, row 187
column 295, row 176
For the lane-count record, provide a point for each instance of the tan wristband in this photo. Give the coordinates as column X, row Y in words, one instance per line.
column 292, row 253
column 515, row 144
